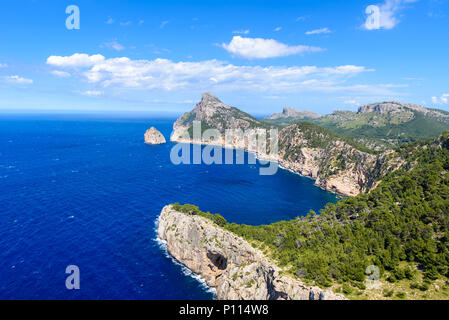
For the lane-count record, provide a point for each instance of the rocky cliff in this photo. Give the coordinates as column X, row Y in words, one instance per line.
column 335, row 163
column 228, row 263
column 153, row 136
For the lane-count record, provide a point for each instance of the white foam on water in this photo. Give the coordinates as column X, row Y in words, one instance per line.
column 186, row 271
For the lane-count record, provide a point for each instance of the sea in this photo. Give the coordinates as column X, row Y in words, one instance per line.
column 85, row 191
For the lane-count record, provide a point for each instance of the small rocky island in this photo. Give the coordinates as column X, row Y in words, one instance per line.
column 153, row 136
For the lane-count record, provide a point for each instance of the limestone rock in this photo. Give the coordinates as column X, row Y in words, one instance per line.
column 228, row 263
column 335, row 165
column 153, row 136
column 288, row 112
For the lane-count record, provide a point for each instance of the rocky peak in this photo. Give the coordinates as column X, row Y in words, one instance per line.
column 208, row 106
column 209, row 98
column 390, row 106
column 288, row 112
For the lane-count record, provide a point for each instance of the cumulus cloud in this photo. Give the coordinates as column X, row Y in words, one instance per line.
column 78, row 60
column 385, row 15
column 164, row 74
column 17, row 80
column 444, row 99
column 259, row 48
column 319, row 31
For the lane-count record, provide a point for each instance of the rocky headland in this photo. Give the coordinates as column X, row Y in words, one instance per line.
column 334, row 163
column 228, row 263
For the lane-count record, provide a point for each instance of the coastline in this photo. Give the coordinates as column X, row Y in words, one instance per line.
column 228, row 263
column 280, row 163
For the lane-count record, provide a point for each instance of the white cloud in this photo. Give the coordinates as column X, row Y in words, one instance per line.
column 163, row 24
column 260, row 48
column 110, row 21
column 126, row 23
column 164, row 74
column 114, row 45
column 93, row 93
column 319, row 31
column 301, row 18
column 241, row 31
column 444, row 99
column 17, row 80
column 278, row 29
column 78, row 60
column 3, row 65
column 387, row 13
column 60, row 74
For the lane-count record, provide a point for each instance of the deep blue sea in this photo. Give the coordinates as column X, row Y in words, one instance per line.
column 87, row 191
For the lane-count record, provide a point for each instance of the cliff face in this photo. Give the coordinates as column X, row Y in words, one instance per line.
column 336, row 165
column 308, row 149
column 228, row 263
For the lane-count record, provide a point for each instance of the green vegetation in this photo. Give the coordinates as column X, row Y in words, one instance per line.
column 319, row 137
column 194, row 210
column 375, row 130
column 402, row 227
column 385, row 129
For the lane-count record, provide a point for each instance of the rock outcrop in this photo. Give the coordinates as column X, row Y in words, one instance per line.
column 228, row 263
column 153, row 136
column 293, row 113
column 396, row 107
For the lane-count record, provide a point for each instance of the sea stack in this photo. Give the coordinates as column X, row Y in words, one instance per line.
column 153, row 136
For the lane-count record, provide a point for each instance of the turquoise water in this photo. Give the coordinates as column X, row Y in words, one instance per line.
column 87, row 191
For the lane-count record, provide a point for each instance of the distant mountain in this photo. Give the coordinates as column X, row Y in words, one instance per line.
column 288, row 112
column 381, row 125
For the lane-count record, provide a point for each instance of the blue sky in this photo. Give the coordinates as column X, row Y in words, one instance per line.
column 159, row 56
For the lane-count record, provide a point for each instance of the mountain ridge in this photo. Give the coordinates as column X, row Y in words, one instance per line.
column 335, row 162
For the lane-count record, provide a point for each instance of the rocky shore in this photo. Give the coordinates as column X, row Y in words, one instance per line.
column 228, row 263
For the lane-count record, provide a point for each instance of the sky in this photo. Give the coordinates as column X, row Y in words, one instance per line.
column 159, row 56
